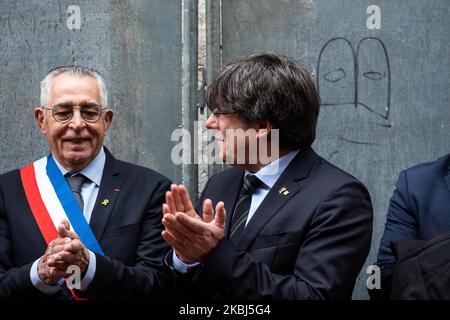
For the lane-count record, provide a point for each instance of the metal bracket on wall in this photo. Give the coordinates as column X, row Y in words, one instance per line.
column 200, row 94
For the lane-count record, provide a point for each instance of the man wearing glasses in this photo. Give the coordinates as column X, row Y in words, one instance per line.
column 294, row 228
column 80, row 224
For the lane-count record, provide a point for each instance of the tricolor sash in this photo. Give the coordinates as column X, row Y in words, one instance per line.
column 51, row 201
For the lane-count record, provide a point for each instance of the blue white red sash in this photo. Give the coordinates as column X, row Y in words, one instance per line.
column 51, row 201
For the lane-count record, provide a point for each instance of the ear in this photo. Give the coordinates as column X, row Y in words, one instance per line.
column 108, row 118
column 39, row 117
column 263, row 129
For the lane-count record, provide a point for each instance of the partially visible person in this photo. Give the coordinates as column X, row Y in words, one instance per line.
column 294, row 227
column 79, row 208
column 419, row 209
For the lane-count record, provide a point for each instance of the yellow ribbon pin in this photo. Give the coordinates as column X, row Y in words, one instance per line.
column 105, row 202
column 284, row 191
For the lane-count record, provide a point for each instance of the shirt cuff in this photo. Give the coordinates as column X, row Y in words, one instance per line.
column 90, row 273
column 182, row 267
column 41, row 285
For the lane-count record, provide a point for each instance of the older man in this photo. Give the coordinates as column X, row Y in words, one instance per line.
column 79, row 214
column 293, row 227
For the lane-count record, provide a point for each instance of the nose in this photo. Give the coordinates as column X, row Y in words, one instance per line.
column 211, row 122
column 77, row 122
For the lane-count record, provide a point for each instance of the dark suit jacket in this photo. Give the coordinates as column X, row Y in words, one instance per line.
column 310, row 244
column 128, row 229
column 418, row 210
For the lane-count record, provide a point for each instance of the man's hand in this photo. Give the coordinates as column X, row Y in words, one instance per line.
column 50, row 274
column 178, row 200
column 190, row 236
column 61, row 253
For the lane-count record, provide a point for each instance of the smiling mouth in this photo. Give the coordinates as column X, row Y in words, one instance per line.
column 76, row 140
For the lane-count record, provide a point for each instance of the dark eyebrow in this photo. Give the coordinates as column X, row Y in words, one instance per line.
column 88, row 104
column 64, row 104
column 70, row 105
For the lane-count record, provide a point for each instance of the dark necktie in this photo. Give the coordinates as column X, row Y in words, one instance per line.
column 242, row 208
column 76, row 182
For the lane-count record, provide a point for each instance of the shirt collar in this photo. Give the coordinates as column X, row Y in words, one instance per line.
column 269, row 174
column 93, row 171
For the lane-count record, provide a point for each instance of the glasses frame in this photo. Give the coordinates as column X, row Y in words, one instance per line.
column 80, row 108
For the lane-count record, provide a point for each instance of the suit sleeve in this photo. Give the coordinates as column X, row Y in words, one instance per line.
column 327, row 264
column 115, row 280
column 15, row 282
column 401, row 223
column 181, row 283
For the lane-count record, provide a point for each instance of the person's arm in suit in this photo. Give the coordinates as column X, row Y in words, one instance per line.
column 401, row 223
column 179, row 273
column 144, row 279
column 15, row 282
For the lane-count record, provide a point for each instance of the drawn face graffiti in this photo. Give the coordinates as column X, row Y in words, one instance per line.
column 355, row 90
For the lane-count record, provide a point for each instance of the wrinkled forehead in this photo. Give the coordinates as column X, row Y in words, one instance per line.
column 67, row 87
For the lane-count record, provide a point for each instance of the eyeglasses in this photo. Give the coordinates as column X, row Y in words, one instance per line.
column 63, row 113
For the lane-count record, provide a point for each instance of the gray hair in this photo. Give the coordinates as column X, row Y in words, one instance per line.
column 78, row 71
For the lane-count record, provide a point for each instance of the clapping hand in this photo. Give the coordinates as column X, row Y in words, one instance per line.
column 191, row 236
column 64, row 251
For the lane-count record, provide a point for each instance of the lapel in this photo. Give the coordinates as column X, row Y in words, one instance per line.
column 111, row 182
column 291, row 179
column 447, row 177
column 231, row 194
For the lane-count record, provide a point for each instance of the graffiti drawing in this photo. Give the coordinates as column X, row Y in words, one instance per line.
column 360, row 79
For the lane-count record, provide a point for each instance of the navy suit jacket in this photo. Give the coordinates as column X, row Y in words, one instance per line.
column 419, row 209
column 128, row 230
column 309, row 244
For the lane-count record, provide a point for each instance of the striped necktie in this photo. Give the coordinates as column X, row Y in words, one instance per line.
column 242, row 208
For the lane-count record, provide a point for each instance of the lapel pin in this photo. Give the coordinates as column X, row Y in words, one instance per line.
column 105, row 202
column 284, row 191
